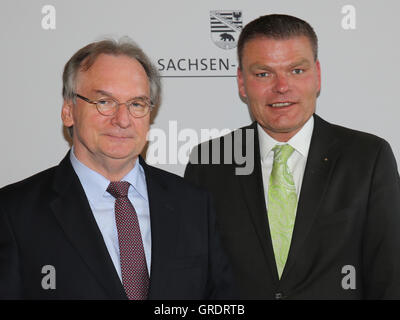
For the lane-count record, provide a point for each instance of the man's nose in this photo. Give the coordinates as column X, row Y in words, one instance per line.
column 281, row 84
column 122, row 117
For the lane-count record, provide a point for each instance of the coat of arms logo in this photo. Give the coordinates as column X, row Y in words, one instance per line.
column 225, row 27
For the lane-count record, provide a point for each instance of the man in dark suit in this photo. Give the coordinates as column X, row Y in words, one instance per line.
column 103, row 224
column 318, row 214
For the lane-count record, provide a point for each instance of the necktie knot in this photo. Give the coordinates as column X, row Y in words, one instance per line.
column 282, row 152
column 118, row 189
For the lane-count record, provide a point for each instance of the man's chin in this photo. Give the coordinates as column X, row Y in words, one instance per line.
column 120, row 154
column 287, row 126
column 282, row 133
column 282, row 128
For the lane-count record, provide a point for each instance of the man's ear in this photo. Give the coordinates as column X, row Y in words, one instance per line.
column 318, row 66
column 240, row 82
column 66, row 113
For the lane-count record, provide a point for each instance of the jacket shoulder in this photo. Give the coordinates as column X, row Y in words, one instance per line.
column 174, row 182
column 348, row 136
column 360, row 139
column 237, row 133
column 30, row 186
column 226, row 149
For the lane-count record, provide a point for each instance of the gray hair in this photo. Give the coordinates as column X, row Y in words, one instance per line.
column 84, row 58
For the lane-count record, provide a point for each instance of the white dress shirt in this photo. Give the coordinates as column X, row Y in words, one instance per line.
column 296, row 162
column 103, row 206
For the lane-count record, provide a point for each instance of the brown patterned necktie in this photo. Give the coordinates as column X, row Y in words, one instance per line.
column 135, row 277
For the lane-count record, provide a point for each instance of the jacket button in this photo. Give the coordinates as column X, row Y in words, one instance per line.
column 279, row 296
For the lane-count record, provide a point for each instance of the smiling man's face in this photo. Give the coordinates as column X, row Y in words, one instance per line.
column 280, row 81
column 104, row 141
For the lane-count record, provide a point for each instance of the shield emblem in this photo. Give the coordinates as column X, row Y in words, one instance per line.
column 225, row 27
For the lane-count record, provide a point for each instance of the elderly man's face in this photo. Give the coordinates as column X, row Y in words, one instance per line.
column 280, row 81
column 100, row 141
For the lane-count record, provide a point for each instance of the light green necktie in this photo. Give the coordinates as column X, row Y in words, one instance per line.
column 282, row 202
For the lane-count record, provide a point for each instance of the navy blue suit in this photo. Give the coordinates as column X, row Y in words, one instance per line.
column 46, row 220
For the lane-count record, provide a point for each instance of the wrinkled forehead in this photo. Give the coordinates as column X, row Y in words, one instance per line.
column 104, row 64
column 113, row 73
column 270, row 45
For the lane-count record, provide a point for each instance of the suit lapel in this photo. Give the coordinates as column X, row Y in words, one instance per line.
column 321, row 160
column 253, row 193
column 75, row 217
column 165, row 224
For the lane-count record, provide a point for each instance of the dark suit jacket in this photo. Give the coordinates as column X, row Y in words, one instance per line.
column 46, row 220
column 348, row 215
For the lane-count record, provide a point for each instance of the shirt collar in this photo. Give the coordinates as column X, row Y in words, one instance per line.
column 300, row 141
column 95, row 185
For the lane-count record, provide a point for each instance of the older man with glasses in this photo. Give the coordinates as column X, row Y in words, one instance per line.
column 103, row 224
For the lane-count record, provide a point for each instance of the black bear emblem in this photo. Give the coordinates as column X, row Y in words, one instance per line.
column 226, row 37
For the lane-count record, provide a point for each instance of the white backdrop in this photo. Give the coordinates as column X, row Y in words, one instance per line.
column 359, row 53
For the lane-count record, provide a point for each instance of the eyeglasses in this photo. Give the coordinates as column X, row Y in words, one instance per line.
column 138, row 107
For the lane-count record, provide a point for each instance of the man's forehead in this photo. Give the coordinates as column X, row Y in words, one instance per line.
column 300, row 42
column 115, row 74
column 102, row 58
column 98, row 67
column 277, row 48
column 300, row 62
